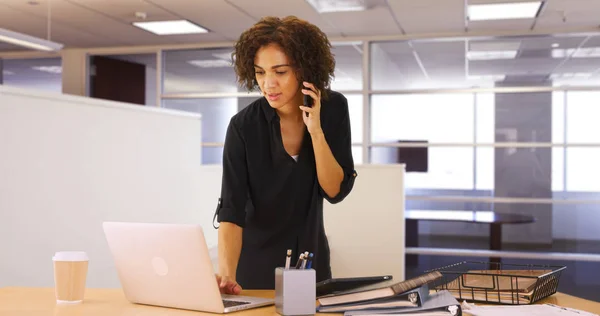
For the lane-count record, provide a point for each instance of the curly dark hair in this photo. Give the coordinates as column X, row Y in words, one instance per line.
column 305, row 44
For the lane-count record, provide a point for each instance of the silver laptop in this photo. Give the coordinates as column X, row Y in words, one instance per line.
column 169, row 265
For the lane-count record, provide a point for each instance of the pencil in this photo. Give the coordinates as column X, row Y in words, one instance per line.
column 288, row 258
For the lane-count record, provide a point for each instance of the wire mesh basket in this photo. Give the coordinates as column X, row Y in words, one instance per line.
column 501, row 283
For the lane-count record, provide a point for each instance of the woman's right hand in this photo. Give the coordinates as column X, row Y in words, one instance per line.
column 228, row 285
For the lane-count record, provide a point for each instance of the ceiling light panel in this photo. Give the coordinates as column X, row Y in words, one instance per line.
column 325, row 6
column 491, row 55
column 176, row 27
column 224, row 56
column 494, row 46
column 210, row 63
column 486, row 77
column 49, row 69
column 587, row 52
column 503, row 11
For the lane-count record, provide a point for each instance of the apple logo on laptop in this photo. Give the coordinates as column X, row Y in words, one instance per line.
column 160, row 266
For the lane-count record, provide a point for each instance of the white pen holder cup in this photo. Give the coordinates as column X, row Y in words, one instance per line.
column 295, row 291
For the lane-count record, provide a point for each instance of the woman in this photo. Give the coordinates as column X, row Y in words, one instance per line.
column 281, row 157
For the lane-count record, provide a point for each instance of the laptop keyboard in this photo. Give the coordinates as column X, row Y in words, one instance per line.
column 231, row 303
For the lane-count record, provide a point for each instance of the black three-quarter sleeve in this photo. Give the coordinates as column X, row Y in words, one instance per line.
column 234, row 186
column 339, row 139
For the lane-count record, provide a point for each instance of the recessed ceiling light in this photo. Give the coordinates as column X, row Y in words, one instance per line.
column 224, row 56
column 491, row 55
column 502, row 11
column 493, row 46
column 586, row 52
column 50, row 69
column 487, row 78
column 171, row 27
column 325, row 6
column 570, row 75
column 210, row 63
column 555, row 45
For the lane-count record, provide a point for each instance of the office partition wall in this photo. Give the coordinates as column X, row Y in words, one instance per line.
column 69, row 163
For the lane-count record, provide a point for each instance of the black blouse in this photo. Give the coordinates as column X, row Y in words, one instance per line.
column 277, row 200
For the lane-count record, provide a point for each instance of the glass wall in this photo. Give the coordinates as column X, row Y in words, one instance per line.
column 216, row 114
column 199, row 71
column 191, row 78
column 508, row 127
column 39, row 74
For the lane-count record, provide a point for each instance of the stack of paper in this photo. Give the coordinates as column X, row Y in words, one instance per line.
column 527, row 310
column 500, row 286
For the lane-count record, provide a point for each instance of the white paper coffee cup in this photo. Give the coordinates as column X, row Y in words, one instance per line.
column 70, row 273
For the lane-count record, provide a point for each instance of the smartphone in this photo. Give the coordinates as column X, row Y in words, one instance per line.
column 308, row 101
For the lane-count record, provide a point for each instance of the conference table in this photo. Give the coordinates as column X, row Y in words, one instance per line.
column 494, row 219
column 23, row 301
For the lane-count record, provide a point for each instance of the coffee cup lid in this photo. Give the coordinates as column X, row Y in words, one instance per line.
column 70, row 256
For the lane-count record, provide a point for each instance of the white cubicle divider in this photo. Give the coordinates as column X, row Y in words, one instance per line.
column 69, row 163
column 366, row 230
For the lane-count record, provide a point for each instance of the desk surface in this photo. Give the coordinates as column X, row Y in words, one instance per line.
column 469, row 216
column 41, row 301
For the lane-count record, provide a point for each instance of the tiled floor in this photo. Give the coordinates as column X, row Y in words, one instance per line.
column 581, row 279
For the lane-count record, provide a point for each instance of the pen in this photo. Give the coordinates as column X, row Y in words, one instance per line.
column 309, row 263
column 303, row 266
column 288, row 258
column 299, row 263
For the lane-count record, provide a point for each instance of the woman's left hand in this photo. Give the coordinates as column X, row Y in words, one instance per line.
column 312, row 115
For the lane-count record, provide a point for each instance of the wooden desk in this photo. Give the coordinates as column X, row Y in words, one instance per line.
column 495, row 220
column 41, row 301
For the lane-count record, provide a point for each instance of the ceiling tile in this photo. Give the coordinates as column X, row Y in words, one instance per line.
column 429, row 16
column 216, row 15
column 118, row 15
column 299, row 8
column 378, row 20
column 580, row 65
column 569, row 14
column 77, row 25
column 125, row 10
column 500, row 25
column 546, row 42
column 93, row 23
column 28, row 20
column 523, row 66
column 593, row 41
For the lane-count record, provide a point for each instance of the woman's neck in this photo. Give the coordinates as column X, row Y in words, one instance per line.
column 291, row 112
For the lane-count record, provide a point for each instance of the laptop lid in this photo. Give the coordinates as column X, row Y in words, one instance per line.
column 164, row 265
